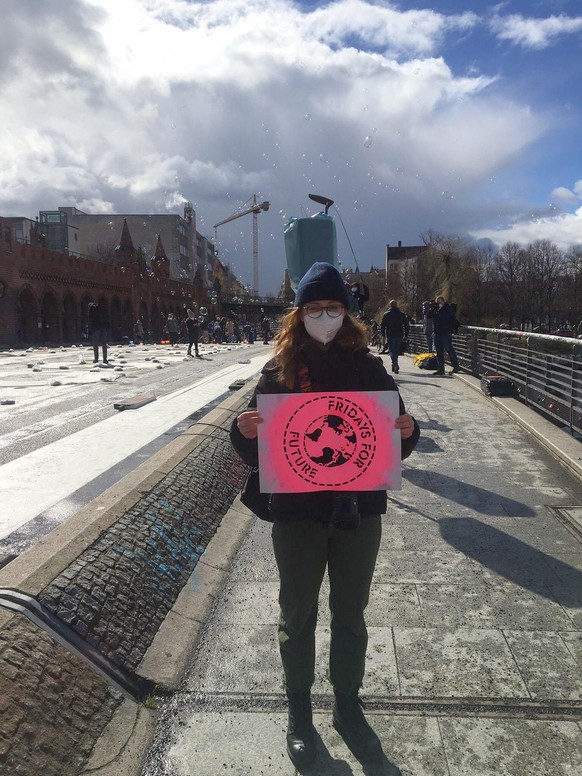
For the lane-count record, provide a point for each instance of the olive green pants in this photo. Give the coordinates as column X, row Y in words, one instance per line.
column 303, row 549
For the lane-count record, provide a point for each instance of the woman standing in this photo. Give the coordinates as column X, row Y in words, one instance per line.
column 193, row 329
column 321, row 347
column 173, row 328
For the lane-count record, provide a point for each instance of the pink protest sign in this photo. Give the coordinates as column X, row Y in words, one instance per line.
column 329, row 441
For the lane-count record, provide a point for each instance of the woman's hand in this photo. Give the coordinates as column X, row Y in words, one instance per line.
column 247, row 423
column 405, row 424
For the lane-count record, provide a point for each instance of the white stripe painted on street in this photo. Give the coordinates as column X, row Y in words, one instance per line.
column 33, row 483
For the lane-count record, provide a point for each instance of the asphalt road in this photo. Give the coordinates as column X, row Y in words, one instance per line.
column 62, row 442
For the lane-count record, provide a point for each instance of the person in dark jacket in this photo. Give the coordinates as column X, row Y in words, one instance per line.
column 173, row 329
column 193, row 329
column 98, row 327
column 445, row 324
column 266, row 329
column 394, row 328
column 321, row 347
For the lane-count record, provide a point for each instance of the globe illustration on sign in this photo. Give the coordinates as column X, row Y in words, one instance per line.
column 330, row 441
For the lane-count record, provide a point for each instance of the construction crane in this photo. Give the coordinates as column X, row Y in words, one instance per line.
column 255, row 209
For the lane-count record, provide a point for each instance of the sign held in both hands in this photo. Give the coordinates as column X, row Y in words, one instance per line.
column 329, row 441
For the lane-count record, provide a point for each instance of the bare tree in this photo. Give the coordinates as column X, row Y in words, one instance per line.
column 509, row 270
column 545, row 266
column 536, row 285
column 570, row 295
column 445, row 260
column 409, row 299
column 104, row 252
column 480, row 303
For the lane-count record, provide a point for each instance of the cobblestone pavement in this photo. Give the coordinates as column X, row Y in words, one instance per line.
column 115, row 595
column 52, row 709
column 118, row 592
column 475, row 621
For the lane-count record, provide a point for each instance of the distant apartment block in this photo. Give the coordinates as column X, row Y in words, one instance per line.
column 96, row 236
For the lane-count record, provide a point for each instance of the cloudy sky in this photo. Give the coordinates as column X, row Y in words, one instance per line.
column 458, row 116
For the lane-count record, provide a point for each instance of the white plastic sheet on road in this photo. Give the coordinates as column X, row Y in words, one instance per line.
column 33, row 483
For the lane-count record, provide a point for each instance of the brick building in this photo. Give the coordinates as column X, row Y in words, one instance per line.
column 45, row 294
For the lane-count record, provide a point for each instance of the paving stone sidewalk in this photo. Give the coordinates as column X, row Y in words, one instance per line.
column 475, row 621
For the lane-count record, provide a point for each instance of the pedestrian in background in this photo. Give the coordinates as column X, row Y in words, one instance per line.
column 229, row 330
column 98, row 328
column 193, row 329
column 321, row 347
column 445, row 325
column 173, row 327
column 266, row 329
column 394, row 329
column 138, row 332
column 217, row 331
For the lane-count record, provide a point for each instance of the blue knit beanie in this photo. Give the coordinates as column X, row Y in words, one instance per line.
column 321, row 281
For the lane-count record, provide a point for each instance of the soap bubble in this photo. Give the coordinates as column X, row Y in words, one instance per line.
column 367, row 141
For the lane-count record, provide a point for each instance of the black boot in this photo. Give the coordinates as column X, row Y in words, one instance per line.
column 350, row 723
column 300, row 732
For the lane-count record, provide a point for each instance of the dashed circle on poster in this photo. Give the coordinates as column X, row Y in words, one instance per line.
column 344, row 440
column 329, row 441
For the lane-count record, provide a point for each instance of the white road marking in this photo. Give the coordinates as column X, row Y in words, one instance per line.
column 33, row 483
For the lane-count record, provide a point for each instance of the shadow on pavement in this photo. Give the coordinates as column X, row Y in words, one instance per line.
column 433, row 425
column 487, row 502
column 326, row 765
column 427, row 445
column 509, row 557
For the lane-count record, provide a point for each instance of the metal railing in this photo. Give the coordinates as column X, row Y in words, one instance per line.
column 546, row 370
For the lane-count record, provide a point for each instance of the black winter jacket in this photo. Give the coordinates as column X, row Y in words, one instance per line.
column 445, row 321
column 394, row 324
column 333, row 369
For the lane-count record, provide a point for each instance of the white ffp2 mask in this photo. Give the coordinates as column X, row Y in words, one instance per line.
column 324, row 328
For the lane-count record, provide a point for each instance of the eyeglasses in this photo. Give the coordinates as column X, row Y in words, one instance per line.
column 334, row 310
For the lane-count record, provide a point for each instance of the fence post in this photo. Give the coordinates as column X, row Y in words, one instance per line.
column 475, row 354
column 527, row 370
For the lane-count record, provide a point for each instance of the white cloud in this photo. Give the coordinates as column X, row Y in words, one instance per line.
column 140, row 105
column 564, row 230
column 534, row 33
column 384, row 27
column 564, row 195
